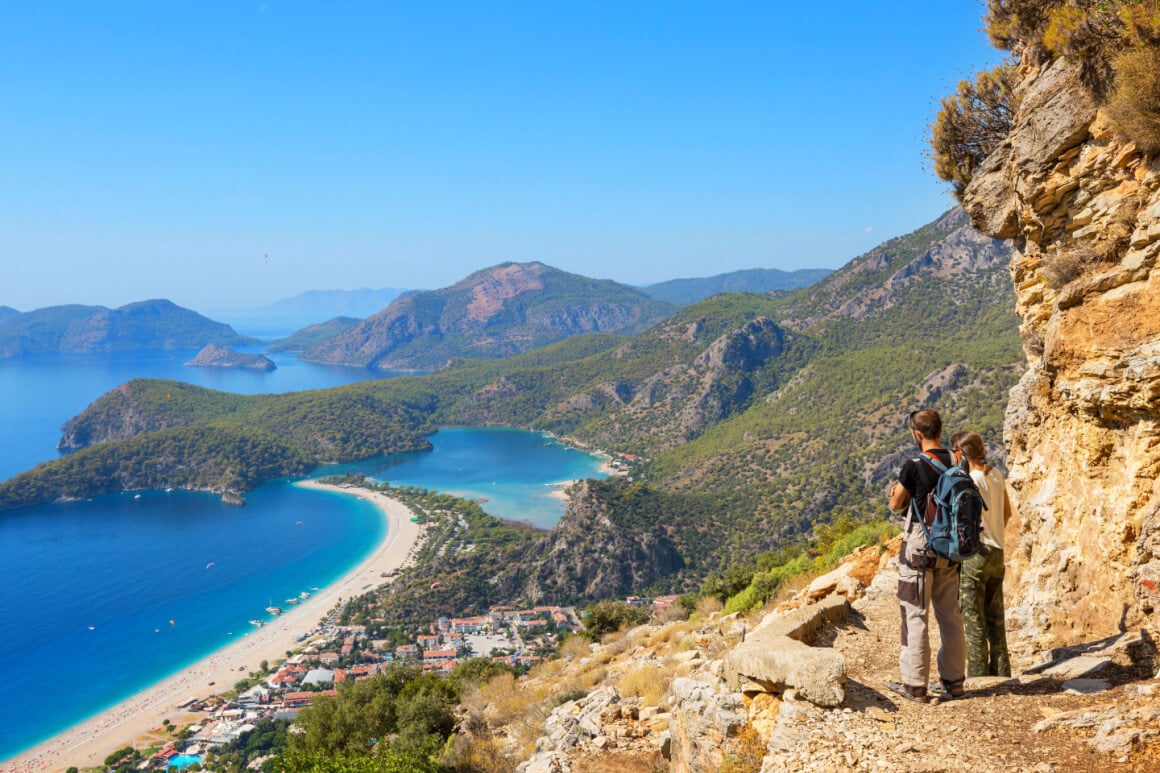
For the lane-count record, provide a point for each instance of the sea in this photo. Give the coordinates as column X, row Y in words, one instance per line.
column 101, row 598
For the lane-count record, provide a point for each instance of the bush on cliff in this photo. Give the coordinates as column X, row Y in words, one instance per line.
column 1134, row 104
column 971, row 124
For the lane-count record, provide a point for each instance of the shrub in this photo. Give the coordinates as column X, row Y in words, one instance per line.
column 1066, row 265
column 970, row 125
column 1134, row 104
column 649, row 683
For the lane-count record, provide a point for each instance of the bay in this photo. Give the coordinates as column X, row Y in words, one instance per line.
column 90, row 587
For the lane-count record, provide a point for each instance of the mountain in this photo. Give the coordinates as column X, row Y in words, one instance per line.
column 309, row 308
column 314, row 335
column 155, row 324
column 756, row 416
column 497, row 312
column 7, row 311
column 755, row 280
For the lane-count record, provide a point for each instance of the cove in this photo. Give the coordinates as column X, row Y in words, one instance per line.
column 518, row 475
column 91, row 587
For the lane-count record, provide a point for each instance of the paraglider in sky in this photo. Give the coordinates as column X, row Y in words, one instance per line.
column 207, row 566
column 172, row 623
column 298, row 523
column 435, row 585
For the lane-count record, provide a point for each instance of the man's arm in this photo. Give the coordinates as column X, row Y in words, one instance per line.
column 899, row 497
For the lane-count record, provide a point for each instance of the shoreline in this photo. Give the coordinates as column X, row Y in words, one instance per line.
column 87, row 743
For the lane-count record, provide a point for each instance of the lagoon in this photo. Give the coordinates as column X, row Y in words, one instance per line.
column 105, row 597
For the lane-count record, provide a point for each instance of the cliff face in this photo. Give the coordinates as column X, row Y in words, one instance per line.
column 1082, row 426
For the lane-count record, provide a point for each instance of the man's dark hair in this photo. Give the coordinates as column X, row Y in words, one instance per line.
column 928, row 423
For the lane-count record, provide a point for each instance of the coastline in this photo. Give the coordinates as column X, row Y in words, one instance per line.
column 88, row 743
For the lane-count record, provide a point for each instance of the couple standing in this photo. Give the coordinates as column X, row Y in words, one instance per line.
column 966, row 595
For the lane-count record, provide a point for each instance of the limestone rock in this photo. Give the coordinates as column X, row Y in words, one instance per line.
column 1081, row 430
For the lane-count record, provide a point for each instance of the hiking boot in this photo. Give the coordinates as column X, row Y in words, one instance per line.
column 949, row 690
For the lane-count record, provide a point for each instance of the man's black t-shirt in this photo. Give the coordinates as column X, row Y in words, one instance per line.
column 920, row 478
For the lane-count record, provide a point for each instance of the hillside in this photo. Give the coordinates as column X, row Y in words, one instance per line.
column 758, row 416
column 156, row 324
column 683, row 292
column 498, row 312
column 313, row 335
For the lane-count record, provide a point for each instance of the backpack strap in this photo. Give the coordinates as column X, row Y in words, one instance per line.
column 933, row 461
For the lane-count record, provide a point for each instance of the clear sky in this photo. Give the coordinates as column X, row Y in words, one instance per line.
column 226, row 154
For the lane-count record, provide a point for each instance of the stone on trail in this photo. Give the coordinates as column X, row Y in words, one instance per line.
column 1085, row 686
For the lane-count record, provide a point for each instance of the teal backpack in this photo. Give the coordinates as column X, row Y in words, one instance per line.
column 952, row 518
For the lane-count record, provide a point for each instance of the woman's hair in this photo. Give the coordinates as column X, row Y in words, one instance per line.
column 971, row 444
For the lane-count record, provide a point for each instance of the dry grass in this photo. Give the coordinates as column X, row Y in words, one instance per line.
column 708, row 606
column 745, row 752
column 1066, row 265
column 575, row 647
column 1134, row 104
column 649, row 683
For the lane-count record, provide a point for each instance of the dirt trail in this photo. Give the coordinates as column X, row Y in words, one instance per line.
column 992, row 728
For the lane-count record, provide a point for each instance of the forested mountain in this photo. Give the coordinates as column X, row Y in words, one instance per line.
column 7, row 311
column 757, row 415
column 313, row 335
column 755, row 280
column 155, row 324
column 497, row 312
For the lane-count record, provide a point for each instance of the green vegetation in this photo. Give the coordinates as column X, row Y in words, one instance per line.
column 157, row 324
column 754, row 280
column 314, row 335
column 755, row 418
column 745, row 587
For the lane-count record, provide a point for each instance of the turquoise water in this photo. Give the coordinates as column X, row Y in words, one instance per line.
column 184, row 761
column 89, row 588
column 514, row 471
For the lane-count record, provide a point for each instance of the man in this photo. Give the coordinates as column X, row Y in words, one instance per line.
column 924, row 579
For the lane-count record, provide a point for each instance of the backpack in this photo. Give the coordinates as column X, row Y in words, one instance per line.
column 953, row 517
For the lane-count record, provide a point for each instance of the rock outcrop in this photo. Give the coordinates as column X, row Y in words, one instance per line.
column 1083, row 425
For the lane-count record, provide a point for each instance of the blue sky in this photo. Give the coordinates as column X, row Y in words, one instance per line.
column 165, row 149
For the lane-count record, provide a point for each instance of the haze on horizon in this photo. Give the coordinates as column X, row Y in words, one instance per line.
column 225, row 154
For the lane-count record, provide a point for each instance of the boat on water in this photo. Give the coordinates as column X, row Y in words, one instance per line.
column 303, row 595
column 257, row 623
column 292, row 602
column 274, row 610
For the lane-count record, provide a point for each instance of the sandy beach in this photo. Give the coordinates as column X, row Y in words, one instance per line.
column 88, row 743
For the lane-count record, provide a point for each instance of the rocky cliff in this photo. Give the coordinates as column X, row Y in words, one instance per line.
column 1083, row 208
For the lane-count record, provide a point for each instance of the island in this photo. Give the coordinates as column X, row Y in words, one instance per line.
column 224, row 357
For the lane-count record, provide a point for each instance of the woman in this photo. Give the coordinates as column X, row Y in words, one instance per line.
column 981, row 583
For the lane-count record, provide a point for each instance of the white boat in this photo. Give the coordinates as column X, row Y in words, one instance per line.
column 303, row 595
column 257, row 623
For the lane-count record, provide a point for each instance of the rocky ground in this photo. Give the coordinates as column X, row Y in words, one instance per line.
column 1091, row 707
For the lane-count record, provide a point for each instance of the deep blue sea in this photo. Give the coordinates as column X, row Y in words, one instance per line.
column 89, row 588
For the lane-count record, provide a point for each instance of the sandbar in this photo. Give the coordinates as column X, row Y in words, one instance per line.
column 88, row 743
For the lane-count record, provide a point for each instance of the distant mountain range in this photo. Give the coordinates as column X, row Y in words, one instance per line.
column 312, row 307
column 755, row 280
column 7, row 311
column 154, row 324
column 497, row 312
